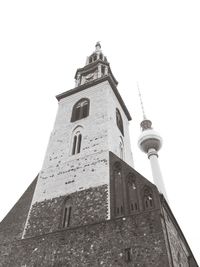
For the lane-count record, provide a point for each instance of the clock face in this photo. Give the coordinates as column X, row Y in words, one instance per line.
column 89, row 76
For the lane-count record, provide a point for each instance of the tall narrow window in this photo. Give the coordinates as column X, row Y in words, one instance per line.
column 79, row 143
column 119, row 121
column 66, row 216
column 76, row 140
column 80, row 110
column 74, row 145
column 148, row 201
column 132, row 197
column 76, row 148
column 66, row 213
column 127, row 254
column 118, row 191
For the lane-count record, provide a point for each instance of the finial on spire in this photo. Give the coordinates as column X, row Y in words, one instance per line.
column 98, row 46
column 141, row 102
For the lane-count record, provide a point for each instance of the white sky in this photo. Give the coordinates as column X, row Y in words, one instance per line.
column 154, row 42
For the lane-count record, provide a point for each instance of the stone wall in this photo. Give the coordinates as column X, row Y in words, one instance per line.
column 87, row 206
column 101, row 244
column 178, row 250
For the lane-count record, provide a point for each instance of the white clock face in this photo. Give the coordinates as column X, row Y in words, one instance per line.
column 89, row 76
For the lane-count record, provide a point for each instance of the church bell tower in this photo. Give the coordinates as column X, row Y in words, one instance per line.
column 92, row 121
column 88, row 206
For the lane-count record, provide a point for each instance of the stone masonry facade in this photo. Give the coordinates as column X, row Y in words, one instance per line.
column 88, row 206
column 100, row 244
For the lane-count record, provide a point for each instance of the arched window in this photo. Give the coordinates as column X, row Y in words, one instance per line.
column 118, row 191
column 148, row 201
column 80, row 110
column 119, row 121
column 132, row 194
column 76, row 140
column 66, row 216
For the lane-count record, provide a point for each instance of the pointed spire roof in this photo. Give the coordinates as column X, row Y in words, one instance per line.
column 98, row 46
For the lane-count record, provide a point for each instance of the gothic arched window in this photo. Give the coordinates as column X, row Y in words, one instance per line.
column 131, row 194
column 76, row 140
column 119, row 121
column 148, row 201
column 80, row 109
column 118, row 191
column 66, row 216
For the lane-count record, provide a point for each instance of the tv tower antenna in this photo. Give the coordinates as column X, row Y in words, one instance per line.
column 141, row 102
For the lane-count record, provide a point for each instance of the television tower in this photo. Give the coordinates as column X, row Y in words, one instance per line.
column 150, row 143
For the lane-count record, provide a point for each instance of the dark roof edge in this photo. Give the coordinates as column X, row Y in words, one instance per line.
column 165, row 205
column 95, row 82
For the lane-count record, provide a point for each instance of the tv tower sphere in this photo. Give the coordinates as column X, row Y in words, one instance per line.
column 149, row 139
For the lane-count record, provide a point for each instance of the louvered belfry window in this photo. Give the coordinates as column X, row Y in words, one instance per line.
column 80, row 110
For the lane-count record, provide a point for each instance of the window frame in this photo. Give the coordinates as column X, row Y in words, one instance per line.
column 83, row 111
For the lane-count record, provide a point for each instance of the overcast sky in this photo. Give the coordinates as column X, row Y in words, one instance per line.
column 153, row 42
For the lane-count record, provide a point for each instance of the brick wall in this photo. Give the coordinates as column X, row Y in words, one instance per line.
column 101, row 244
column 87, row 206
column 178, row 248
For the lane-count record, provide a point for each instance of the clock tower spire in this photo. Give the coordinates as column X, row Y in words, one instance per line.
column 96, row 67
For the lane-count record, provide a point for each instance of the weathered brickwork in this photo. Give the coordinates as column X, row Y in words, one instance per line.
column 101, row 244
column 88, row 206
column 140, row 183
column 179, row 250
column 12, row 226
